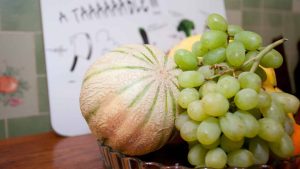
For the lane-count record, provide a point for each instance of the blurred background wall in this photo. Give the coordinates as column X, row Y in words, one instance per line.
column 21, row 33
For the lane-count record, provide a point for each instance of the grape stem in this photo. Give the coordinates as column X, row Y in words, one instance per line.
column 258, row 57
column 249, row 61
column 221, row 73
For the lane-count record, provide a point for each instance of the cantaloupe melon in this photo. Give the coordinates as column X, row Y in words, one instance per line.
column 128, row 98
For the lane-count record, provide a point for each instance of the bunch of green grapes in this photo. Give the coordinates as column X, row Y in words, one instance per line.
column 228, row 119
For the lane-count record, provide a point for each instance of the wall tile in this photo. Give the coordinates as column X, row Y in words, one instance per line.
column 0, row 20
column 2, row 129
column 20, row 15
column 39, row 54
column 252, row 18
column 272, row 19
column 291, row 23
column 28, row 125
column 43, row 95
column 252, row 3
column 18, row 58
column 296, row 17
column 278, row 4
column 269, row 34
column 232, row 4
column 296, row 6
column 234, row 17
column 290, row 32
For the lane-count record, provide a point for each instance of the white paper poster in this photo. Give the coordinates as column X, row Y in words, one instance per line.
column 76, row 32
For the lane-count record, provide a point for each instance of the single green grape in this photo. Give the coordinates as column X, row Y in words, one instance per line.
column 270, row 130
column 234, row 29
column 208, row 131
column 195, row 111
column 196, row 155
column 240, row 158
column 260, row 150
column 212, row 145
column 283, row 147
column 189, row 79
column 228, row 86
column 215, row 104
column 228, row 145
column 288, row 125
column 216, row 22
column 274, row 111
column 186, row 96
column 185, row 59
column 251, row 40
column 181, row 119
column 289, row 102
column 206, row 71
column 250, row 80
column 235, row 53
column 214, row 56
column 216, row 158
column 272, row 59
column 198, row 49
column 213, row 39
column 188, row 131
column 232, row 126
column 250, row 123
column 208, row 87
column 246, row 99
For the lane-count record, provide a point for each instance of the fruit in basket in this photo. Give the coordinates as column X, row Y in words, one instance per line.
column 296, row 138
column 238, row 101
column 128, row 98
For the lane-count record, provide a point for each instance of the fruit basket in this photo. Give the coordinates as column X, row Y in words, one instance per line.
column 220, row 95
column 173, row 157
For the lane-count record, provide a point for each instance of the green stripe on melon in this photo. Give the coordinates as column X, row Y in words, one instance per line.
column 128, row 98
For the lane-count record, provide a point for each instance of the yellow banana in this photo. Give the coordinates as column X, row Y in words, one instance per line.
column 270, row 84
column 271, row 77
column 186, row 43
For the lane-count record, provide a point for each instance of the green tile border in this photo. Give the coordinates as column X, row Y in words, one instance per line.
column 40, row 54
column 278, row 4
column 296, row 19
column 251, row 18
column 252, row 3
column 21, row 15
column 43, row 95
column 2, row 129
column 29, row 125
column 273, row 19
column 232, row 4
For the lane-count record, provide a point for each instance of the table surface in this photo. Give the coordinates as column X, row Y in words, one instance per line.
column 50, row 151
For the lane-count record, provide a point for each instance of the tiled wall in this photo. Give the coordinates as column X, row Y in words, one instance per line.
column 23, row 18
column 270, row 18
